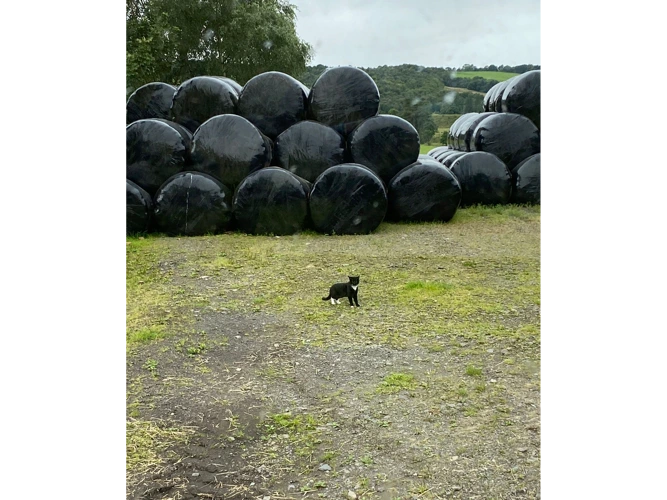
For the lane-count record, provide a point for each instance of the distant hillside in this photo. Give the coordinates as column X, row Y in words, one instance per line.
column 499, row 76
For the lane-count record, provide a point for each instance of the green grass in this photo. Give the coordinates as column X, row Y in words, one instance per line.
column 396, row 382
column 464, row 293
column 499, row 76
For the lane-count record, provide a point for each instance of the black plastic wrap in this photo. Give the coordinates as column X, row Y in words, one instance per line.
column 271, row 201
column 437, row 150
column 185, row 134
column 462, row 127
column 386, row 144
column 155, row 150
column 347, row 199
column 509, row 136
column 139, row 209
column 447, row 161
column 308, row 148
column 484, row 179
column 152, row 100
column 424, row 191
column 440, row 157
column 232, row 83
column 343, row 97
column 193, row 204
column 498, row 97
column 229, row 148
column 199, row 98
column 423, row 157
column 527, row 181
column 487, row 96
column 523, row 96
column 465, row 131
column 493, row 93
column 455, row 126
column 273, row 102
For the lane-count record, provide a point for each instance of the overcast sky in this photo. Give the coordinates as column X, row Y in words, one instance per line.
column 440, row 33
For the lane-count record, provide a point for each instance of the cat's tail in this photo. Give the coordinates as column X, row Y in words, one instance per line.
column 327, row 298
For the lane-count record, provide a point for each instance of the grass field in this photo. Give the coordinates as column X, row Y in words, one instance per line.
column 499, row 76
column 243, row 383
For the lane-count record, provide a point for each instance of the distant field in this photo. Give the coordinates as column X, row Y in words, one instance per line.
column 489, row 75
column 425, row 148
column 460, row 90
column 444, row 121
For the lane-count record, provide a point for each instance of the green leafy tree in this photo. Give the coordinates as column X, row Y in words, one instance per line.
column 173, row 40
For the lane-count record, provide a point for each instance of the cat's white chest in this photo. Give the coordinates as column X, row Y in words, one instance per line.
column 354, row 287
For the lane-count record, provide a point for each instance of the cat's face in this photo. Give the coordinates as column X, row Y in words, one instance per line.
column 354, row 280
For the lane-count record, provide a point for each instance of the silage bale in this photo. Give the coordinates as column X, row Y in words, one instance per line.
column 193, row 204
column 509, row 136
column 385, row 144
column 308, row 148
column 484, row 179
column 523, row 96
column 527, row 181
column 200, row 98
column 229, row 148
column 152, row 100
column 271, row 201
column 138, row 209
column 155, row 150
column 343, row 97
column 347, row 199
column 424, row 191
column 273, row 102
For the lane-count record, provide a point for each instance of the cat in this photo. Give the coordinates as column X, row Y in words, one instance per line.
column 349, row 290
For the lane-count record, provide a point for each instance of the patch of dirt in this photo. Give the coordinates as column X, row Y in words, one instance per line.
column 388, row 445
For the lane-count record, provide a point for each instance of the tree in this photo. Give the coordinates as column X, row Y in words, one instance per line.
column 173, row 40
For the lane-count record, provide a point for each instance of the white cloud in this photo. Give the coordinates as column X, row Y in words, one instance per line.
column 425, row 32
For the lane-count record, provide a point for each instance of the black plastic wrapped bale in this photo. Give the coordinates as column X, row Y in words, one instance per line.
column 139, row 209
column 523, row 96
column 155, row 150
column 271, row 201
column 386, row 144
column 493, row 93
column 185, row 133
column 454, row 127
column 424, row 191
column 509, row 136
column 347, row 199
column 440, row 157
column 465, row 131
column 498, row 97
column 199, row 98
column 435, row 151
column 484, row 179
column 462, row 127
column 193, row 204
column 273, row 102
column 232, row 83
column 343, row 97
column 487, row 96
column 152, row 100
column 229, row 148
column 308, row 148
column 447, row 161
column 527, row 181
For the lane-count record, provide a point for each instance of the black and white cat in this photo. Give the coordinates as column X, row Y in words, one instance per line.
column 349, row 290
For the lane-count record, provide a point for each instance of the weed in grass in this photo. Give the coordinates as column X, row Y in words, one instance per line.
column 146, row 335
column 473, row 371
column 367, row 460
column 197, row 349
column 396, row 382
column 151, row 366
